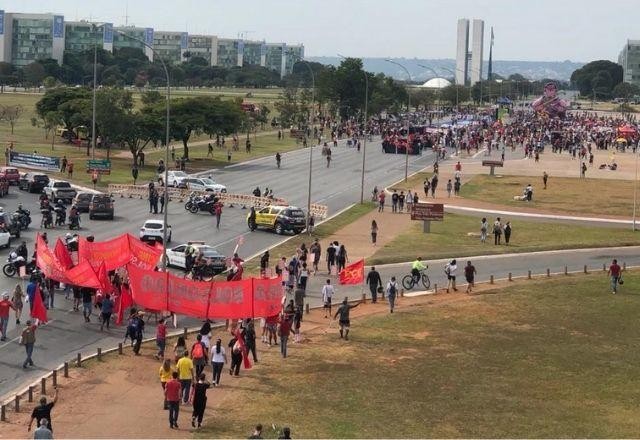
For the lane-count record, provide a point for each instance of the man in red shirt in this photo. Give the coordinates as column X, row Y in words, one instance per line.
column 5, row 305
column 285, row 330
column 172, row 396
column 614, row 273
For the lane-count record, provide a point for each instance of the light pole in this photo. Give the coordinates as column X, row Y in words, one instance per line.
column 406, row 159
column 166, row 151
column 364, row 144
column 635, row 190
column 310, row 144
column 95, row 76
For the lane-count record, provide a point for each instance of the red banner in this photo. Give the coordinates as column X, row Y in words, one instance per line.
column 38, row 310
column 353, row 273
column 143, row 255
column 83, row 275
column 48, row 263
column 62, row 254
column 115, row 252
column 227, row 300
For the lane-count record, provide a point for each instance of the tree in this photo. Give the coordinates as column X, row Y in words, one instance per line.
column 11, row 114
column 7, row 75
column 606, row 74
column 69, row 102
column 33, row 74
column 625, row 90
column 453, row 94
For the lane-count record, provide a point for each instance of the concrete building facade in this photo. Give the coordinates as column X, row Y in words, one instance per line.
column 462, row 48
column 477, row 48
column 25, row 38
column 469, row 62
column 629, row 59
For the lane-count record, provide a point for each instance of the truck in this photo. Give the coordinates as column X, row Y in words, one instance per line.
column 60, row 190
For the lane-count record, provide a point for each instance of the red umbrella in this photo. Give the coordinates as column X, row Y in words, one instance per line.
column 627, row 130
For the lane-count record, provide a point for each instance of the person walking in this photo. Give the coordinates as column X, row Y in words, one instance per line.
column 545, row 177
column 374, row 281
column 497, row 231
column 218, row 359
column 401, row 199
column 250, row 339
column 507, row 232
column 43, row 411
column 331, row 257
column 484, row 227
column 450, row 270
column 162, row 200
column 469, row 275
column 236, row 356
column 327, row 293
column 28, row 339
column 43, row 431
column 394, row 201
column 409, row 200
column 381, row 199
column 161, row 338
column 165, row 373
column 18, row 302
column 374, row 232
column 614, row 273
column 345, row 322
column 198, row 355
column 449, row 188
column 172, row 397
column 106, row 309
column 284, row 330
column 434, row 185
column 199, row 400
column 186, row 374
column 342, row 257
column 5, row 306
column 217, row 209
column 392, row 291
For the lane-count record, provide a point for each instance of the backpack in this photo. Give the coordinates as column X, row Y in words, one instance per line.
column 447, row 269
column 497, row 229
column 197, row 351
column 392, row 289
column 133, row 328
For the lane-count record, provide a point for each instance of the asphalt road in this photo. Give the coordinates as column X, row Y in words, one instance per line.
column 337, row 186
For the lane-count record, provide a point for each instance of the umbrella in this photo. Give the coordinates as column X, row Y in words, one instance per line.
column 621, row 140
column 627, row 129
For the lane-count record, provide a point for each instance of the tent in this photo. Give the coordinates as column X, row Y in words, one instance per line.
column 503, row 100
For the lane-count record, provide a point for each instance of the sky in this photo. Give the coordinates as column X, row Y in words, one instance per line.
column 528, row 30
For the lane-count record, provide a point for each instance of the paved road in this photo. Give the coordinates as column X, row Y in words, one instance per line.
column 337, row 186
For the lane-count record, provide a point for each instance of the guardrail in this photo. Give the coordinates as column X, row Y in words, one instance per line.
column 228, row 199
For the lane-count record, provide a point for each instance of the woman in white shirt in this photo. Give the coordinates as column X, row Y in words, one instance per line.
column 450, row 270
column 218, row 359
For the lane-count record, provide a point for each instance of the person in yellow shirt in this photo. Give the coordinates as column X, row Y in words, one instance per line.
column 185, row 375
column 165, row 376
column 416, row 267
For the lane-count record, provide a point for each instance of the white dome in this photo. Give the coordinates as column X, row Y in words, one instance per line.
column 436, row 83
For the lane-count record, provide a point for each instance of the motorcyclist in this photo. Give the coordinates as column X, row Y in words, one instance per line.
column 189, row 256
column 278, row 159
column 61, row 213
column 257, row 192
column 74, row 217
column 47, row 217
column 252, row 219
column 22, row 250
column 23, row 215
column 71, row 241
column 416, row 268
column 43, row 197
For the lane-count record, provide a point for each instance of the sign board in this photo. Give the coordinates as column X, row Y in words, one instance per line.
column 107, row 35
column 492, row 163
column 148, row 36
column 1, row 22
column 102, row 166
column 34, row 161
column 184, row 41
column 427, row 211
column 58, row 26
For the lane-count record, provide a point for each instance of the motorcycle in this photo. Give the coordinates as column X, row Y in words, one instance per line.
column 199, row 203
column 47, row 218
column 23, row 218
column 14, row 262
column 61, row 215
column 74, row 222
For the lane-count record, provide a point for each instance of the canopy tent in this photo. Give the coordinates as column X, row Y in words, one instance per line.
column 503, row 100
column 627, row 130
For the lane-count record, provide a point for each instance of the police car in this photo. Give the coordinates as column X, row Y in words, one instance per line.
column 280, row 219
column 177, row 256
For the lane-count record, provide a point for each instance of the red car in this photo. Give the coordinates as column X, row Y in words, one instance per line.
column 11, row 174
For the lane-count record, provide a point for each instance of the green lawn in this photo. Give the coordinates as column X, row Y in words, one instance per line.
column 321, row 232
column 450, row 238
column 539, row 359
column 415, row 181
column 564, row 195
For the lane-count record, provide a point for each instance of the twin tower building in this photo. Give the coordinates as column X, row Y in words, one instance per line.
column 469, row 62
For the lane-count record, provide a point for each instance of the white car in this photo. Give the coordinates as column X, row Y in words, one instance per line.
column 204, row 184
column 176, row 256
column 5, row 239
column 174, row 178
column 153, row 230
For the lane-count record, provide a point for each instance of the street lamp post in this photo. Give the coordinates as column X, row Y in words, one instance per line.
column 166, row 149
column 364, row 143
column 635, row 190
column 95, row 76
column 310, row 144
column 406, row 160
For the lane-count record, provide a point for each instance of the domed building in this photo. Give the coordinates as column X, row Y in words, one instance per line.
column 436, row 83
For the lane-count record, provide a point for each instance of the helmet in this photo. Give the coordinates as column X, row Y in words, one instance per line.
column 67, row 235
column 60, row 201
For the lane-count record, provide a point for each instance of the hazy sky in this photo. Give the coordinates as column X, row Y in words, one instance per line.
column 579, row 30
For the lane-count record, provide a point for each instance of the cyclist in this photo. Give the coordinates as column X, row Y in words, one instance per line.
column 416, row 268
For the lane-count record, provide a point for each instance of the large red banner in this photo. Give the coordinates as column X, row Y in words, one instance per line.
column 227, row 300
column 83, row 275
column 48, row 263
column 118, row 252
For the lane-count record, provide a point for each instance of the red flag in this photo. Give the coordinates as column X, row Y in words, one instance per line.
column 103, row 277
column 245, row 351
column 124, row 301
column 38, row 310
column 61, row 252
column 353, row 274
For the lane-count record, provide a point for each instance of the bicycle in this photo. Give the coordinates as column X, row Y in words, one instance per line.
column 409, row 282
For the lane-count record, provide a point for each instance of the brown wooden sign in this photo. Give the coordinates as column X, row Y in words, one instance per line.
column 492, row 163
column 427, row 211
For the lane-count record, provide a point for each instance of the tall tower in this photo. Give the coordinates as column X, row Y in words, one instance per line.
column 461, row 51
column 476, row 51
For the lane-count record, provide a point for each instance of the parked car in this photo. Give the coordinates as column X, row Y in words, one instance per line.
column 174, row 178
column 153, row 230
column 217, row 261
column 4, row 186
column 101, row 205
column 203, row 184
column 60, row 190
column 33, row 182
column 280, row 219
column 82, row 201
column 11, row 174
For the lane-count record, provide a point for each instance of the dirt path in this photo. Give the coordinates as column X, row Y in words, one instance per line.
column 121, row 397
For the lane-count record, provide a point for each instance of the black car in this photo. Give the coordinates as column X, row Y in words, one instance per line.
column 82, row 201
column 101, row 205
column 33, row 182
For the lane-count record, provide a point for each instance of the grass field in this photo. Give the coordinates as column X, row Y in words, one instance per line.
column 540, row 359
column 414, row 181
column 449, row 239
column 565, row 195
column 28, row 138
column 324, row 230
